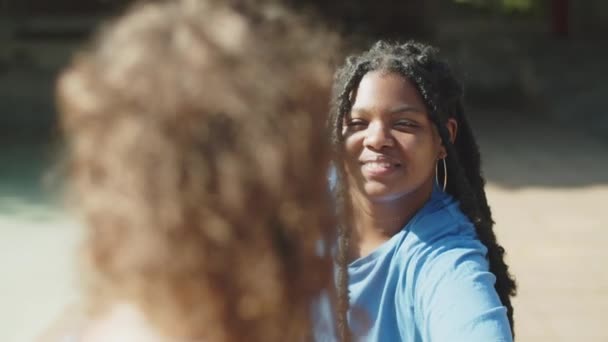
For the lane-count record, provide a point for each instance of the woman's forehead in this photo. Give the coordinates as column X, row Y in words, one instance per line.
column 391, row 91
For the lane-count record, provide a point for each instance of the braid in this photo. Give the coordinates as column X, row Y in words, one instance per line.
column 345, row 83
column 342, row 261
column 443, row 96
column 464, row 164
column 505, row 284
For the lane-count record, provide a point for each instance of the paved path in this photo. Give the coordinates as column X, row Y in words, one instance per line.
column 548, row 188
column 37, row 246
column 556, row 240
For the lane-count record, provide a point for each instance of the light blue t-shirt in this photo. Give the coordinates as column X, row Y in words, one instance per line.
column 429, row 282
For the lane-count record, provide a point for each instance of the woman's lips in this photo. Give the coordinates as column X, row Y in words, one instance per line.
column 379, row 168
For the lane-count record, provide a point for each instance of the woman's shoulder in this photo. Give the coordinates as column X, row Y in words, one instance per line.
column 454, row 254
column 122, row 322
column 67, row 326
column 445, row 239
column 443, row 225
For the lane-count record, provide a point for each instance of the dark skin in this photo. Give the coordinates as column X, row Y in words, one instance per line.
column 392, row 148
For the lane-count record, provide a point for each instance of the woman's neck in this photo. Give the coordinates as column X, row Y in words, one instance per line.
column 376, row 221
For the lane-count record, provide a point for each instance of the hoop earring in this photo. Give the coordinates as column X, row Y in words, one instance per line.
column 445, row 174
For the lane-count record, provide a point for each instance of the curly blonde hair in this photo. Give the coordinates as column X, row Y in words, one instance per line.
column 198, row 157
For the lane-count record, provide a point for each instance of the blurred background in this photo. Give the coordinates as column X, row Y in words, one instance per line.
column 534, row 73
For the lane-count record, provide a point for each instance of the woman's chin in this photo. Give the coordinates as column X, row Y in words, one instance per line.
column 376, row 191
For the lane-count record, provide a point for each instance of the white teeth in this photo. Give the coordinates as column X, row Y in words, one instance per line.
column 382, row 165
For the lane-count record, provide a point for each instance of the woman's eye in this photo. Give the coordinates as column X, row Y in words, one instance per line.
column 355, row 124
column 406, row 124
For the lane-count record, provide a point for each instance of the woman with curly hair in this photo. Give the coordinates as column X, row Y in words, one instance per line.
column 197, row 157
column 418, row 259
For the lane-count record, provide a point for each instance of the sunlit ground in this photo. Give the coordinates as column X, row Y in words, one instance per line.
column 37, row 244
column 556, row 240
column 548, row 188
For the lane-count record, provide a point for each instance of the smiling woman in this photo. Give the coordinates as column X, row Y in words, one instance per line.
column 391, row 144
column 418, row 260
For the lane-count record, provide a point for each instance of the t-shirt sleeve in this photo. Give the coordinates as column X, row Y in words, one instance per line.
column 455, row 299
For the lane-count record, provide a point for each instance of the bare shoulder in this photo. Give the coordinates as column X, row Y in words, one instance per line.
column 67, row 326
column 121, row 323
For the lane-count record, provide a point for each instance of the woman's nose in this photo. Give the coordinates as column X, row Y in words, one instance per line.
column 378, row 136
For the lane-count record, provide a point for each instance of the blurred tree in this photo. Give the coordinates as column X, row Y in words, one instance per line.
column 61, row 7
column 380, row 18
column 560, row 13
column 508, row 6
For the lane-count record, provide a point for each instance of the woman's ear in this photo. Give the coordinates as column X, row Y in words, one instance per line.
column 452, row 126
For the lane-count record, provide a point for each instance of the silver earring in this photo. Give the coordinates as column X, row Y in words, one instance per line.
column 445, row 174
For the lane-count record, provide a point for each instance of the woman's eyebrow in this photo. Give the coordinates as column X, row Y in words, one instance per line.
column 395, row 110
column 359, row 110
column 405, row 108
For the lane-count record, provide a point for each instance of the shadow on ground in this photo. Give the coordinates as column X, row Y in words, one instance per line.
column 521, row 150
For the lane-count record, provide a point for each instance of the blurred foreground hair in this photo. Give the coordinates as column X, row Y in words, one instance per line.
column 197, row 155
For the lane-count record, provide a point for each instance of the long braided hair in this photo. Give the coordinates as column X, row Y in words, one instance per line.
column 443, row 96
